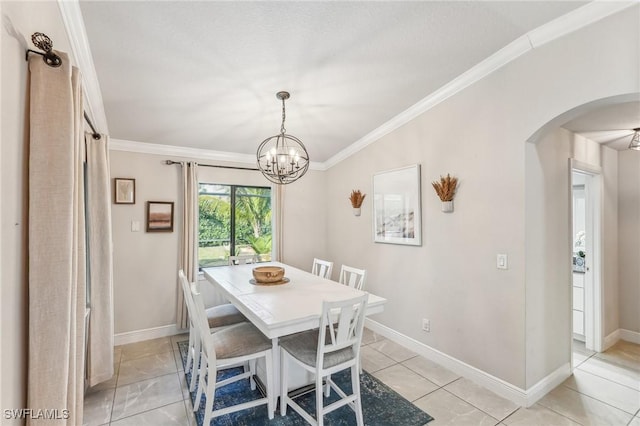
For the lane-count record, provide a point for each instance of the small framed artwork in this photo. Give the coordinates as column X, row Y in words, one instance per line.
column 397, row 206
column 124, row 191
column 159, row 216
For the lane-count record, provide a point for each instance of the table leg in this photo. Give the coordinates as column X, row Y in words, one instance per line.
column 275, row 387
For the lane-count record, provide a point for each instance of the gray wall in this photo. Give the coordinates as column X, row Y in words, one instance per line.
column 629, row 239
column 548, row 258
column 478, row 313
column 548, row 241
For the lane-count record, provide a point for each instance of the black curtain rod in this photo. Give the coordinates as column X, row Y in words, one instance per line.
column 171, row 162
column 96, row 135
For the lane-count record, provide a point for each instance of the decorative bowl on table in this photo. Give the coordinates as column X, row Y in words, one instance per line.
column 269, row 275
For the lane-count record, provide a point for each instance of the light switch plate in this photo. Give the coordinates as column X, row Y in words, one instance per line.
column 135, row 226
column 502, row 261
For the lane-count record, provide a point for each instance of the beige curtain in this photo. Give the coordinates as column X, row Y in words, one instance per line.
column 56, row 242
column 279, row 223
column 100, row 334
column 189, row 243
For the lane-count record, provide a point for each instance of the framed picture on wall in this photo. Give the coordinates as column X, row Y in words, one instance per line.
column 397, row 214
column 159, row 216
column 124, row 191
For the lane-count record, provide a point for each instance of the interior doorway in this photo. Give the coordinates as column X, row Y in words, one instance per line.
column 579, row 252
column 586, row 303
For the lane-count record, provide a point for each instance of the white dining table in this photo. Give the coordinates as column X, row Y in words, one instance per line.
column 283, row 309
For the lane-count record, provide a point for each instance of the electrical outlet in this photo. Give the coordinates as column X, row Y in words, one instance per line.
column 426, row 325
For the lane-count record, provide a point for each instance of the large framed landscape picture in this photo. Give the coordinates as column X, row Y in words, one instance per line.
column 396, row 206
column 159, row 216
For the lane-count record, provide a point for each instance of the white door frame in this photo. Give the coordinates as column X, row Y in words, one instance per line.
column 593, row 275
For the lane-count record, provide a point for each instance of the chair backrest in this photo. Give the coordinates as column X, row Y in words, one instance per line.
column 341, row 326
column 201, row 324
column 353, row 277
column 194, row 330
column 186, row 291
column 243, row 259
column 322, row 268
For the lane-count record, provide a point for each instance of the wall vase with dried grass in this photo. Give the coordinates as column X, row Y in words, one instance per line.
column 446, row 190
column 356, row 199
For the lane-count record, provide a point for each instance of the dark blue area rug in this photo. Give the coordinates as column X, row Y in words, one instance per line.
column 381, row 405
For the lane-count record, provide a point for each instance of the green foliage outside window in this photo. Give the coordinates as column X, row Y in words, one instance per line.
column 252, row 214
column 214, row 221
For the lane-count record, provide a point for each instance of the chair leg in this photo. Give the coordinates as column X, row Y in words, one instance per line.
column 355, row 387
column 319, row 400
column 201, row 382
column 284, row 374
column 211, row 393
column 196, row 365
column 327, row 386
column 271, row 407
column 190, row 354
column 252, row 370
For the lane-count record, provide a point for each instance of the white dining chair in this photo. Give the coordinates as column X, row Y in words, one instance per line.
column 353, row 277
column 334, row 347
column 322, row 268
column 226, row 348
column 243, row 259
column 218, row 318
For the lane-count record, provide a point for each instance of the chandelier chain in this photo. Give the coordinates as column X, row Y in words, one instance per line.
column 282, row 129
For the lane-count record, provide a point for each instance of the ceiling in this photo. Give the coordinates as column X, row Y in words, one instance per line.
column 610, row 125
column 205, row 74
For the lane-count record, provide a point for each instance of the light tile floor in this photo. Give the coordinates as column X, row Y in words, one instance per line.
column 149, row 388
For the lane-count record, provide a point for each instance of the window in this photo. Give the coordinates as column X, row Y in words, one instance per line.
column 233, row 220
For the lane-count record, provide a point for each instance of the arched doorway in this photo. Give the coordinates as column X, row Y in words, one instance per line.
column 549, row 161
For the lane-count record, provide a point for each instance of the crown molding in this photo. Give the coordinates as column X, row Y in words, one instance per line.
column 181, row 151
column 81, row 53
column 559, row 27
column 577, row 19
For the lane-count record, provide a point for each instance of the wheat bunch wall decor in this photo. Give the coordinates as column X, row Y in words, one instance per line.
column 356, row 199
column 446, row 190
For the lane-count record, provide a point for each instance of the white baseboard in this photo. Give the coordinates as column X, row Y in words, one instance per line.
column 547, row 384
column 630, row 336
column 611, row 340
column 621, row 334
column 146, row 334
column 525, row 398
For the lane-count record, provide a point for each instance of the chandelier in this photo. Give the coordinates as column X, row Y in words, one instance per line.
column 635, row 140
column 283, row 158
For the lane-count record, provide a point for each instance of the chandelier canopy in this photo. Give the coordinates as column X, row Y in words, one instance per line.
column 282, row 158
